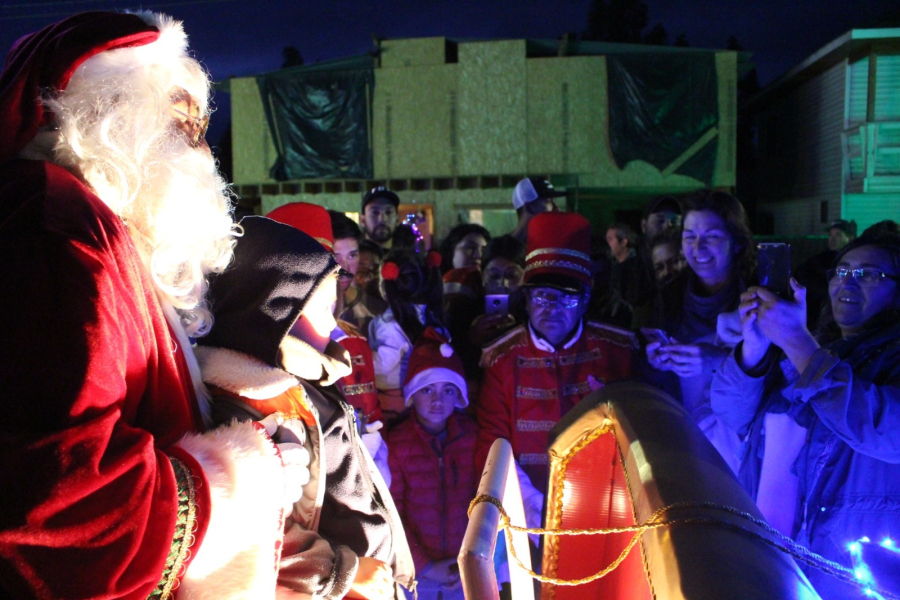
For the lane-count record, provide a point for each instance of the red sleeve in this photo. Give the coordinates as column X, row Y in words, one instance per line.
column 92, row 391
column 494, row 411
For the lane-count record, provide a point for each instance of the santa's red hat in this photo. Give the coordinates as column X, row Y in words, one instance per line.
column 432, row 360
column 44, row 62
column 558, row 251
column 311, row 219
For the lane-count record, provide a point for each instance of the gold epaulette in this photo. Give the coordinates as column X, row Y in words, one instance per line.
column 515, row 337
column 612, row 334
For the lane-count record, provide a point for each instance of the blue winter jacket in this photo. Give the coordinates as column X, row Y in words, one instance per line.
column 848, row 398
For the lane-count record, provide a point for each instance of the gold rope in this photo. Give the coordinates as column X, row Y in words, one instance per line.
column 509, row 528
column 783, row 543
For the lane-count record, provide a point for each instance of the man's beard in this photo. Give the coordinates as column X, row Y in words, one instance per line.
column 178, row 212
column 381, row 234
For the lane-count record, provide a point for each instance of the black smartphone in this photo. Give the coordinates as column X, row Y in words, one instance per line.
column 775, row 268
column 655, row 335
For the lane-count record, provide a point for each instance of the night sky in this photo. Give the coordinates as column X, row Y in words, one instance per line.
column 237, row 37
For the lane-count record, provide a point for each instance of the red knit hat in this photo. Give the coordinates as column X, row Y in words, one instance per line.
column 311, row 219
column 432, row 360
column 558, row 251
column 45, row 61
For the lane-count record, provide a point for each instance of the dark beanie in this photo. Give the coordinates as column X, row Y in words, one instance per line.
column 259, row 297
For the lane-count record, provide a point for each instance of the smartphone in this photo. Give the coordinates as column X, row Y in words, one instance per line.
column 775, row 268
column 655, row 335
column 496, row 304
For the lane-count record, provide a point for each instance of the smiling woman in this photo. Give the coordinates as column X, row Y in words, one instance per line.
column 696, row 309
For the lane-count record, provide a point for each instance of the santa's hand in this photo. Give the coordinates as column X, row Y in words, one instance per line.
column 295, row 459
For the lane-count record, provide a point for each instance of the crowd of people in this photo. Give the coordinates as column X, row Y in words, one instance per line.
column 297, row 405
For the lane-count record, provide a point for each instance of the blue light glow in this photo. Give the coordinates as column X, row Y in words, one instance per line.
column 861, row 570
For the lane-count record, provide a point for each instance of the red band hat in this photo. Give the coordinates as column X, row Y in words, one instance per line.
column 558, row 251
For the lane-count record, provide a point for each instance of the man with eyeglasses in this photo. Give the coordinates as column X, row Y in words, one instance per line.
column 538, row 371
column 112, row 216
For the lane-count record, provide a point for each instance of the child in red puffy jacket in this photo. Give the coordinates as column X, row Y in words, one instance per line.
column 431, row 458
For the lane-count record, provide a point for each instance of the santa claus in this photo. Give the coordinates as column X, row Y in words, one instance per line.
column 111, row 216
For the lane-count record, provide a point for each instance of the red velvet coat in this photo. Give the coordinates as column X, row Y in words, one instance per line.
column 95, row 394
column 526, row 389
column 432, row 486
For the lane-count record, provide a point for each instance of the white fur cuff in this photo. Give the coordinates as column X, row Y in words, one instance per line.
column 238, row 557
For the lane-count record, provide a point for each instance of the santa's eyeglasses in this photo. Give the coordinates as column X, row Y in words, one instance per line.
column 194, row 127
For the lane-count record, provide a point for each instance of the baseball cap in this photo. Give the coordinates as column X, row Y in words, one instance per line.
column 848, row 227
column 533, row 188
column 380, row 192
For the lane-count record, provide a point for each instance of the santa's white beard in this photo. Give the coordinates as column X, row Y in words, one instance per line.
column 115, row 127
column 179, row 214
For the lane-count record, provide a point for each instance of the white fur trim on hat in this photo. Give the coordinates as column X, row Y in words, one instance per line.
column 436, row 375
column 167, row 51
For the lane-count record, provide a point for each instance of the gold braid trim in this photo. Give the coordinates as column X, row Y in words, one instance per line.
column 659, row 519
column 553, row 541
column 185, row 526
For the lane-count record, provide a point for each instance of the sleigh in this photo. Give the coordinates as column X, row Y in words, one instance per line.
column 626, row 455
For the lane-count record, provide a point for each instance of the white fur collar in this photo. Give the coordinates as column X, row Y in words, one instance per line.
column 242, row 374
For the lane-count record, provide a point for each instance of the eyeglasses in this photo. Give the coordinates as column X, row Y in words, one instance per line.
column 194, row 127
column 549, row 299
column 867, row 277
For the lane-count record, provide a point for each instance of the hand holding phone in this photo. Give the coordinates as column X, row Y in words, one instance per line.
column 496, row 304
column 655, row 335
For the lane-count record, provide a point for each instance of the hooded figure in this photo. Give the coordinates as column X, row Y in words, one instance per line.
column 270, row 352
